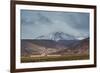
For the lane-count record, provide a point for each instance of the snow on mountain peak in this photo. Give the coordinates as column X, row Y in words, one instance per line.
column 57, row 36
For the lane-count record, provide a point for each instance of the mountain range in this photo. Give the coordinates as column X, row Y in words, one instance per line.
column 56, row 36
column 55, row 43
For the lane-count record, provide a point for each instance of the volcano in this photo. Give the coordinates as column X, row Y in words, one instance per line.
column 56, row 36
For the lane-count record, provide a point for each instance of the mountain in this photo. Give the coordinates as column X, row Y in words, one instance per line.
column 56, row 36
column 38, row 47
column 28, row 48
column 54, row 43
column 82, row 46
column 76, row 47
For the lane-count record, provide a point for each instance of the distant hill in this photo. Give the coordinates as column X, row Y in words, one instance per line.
column 76, row 47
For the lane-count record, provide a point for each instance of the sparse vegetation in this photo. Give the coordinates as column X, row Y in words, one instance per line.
column 54, row 58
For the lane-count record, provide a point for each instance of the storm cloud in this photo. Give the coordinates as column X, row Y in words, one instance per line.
column 35, row 23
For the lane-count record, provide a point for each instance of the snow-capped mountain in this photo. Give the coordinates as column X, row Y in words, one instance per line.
column 57, row 36
column 38, row 47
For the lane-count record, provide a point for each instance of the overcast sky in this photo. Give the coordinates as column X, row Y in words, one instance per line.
column 36, row 23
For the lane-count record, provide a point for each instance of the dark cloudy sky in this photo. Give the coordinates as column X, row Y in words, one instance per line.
column 35, row 23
